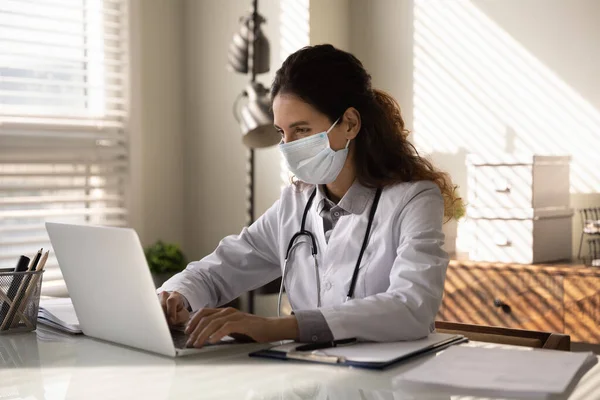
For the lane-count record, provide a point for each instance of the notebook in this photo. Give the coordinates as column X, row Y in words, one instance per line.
column 364, row 354
column 59, row 313
column 522, row 373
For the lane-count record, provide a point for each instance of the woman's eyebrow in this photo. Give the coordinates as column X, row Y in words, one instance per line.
column 298, row 123
column 293, row 124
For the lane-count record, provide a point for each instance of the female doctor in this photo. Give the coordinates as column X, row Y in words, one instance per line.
column 358, row 237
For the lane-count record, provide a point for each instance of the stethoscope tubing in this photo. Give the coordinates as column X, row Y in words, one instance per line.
column 314, row 251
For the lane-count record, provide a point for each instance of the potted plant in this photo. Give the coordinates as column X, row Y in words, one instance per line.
column 164, row 261
column 450, row 227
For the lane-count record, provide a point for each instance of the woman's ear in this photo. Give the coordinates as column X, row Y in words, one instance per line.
column 351, row 123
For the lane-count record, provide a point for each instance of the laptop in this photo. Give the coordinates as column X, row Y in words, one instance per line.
column 111, row 287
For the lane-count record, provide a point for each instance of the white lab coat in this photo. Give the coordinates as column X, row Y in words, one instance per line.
column 401, row 277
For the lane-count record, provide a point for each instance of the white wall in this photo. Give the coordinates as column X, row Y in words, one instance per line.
column 330, row 23
column 157, row 120
column 381, row 37
column 215, row 158
column 491, row 76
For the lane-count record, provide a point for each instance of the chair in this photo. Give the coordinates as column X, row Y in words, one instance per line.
column 500, row 335
column 590, row 225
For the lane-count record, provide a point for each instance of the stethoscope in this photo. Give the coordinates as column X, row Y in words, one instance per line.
column 313, row 244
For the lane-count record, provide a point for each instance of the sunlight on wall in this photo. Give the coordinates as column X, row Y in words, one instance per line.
column 294, row 25
column 478, row 89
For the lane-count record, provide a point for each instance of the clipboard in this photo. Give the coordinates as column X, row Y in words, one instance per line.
column 367, row 355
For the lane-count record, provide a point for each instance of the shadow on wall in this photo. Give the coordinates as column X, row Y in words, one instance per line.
column 478, row 90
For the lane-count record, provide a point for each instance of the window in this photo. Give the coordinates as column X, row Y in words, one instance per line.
column 63, row 120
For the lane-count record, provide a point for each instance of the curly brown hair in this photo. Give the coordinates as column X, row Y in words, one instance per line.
column 332, row 80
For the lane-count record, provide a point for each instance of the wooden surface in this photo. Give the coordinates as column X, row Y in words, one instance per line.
column 562, row 298
column 501, row 335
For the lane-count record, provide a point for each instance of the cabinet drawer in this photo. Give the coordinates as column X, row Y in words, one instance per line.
column 582, row 308
column 518, row 182
column 501, row 186
column 502, row 241
column 522, row 241
column 503, row 298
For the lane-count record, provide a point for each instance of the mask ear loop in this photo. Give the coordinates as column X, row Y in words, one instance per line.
column 347, row 141
column 333, row 126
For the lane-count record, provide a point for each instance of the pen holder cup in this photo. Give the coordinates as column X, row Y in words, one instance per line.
column 19, row 300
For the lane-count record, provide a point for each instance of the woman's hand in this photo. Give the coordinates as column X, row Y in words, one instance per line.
column 212, row 324
column 173, row 304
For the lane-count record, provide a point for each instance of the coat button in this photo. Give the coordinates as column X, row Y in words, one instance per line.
column 327, row 285
column 315, row 338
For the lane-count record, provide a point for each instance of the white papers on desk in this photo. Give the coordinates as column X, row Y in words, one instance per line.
column 522, row 373
column 59, row 314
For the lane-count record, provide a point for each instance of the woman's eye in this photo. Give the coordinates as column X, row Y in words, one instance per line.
column 302, row 131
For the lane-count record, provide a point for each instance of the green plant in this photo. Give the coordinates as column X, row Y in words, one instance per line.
column 459, row 209
column 165, row 258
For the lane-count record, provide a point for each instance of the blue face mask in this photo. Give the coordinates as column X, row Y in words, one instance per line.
column 312, row 160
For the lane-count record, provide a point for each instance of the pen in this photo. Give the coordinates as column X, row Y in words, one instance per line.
column 33, row 283
column 325, row 345
column 14, row 285
column 24, row 281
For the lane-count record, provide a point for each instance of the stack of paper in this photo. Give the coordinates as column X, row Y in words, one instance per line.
column 45, row 333
column 497, row 372
column 59, row 314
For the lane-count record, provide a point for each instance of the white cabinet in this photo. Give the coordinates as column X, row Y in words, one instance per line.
column 519, row 209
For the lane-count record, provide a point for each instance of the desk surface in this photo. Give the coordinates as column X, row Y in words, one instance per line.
column 42, row 366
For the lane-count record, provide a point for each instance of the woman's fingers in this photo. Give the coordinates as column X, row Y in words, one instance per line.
column 215, row 324
column 229, row 328
column 163, row 296
column 174, row 305
column 204, row 321
column 182, row 316
column 212, row 327
column 198, row 316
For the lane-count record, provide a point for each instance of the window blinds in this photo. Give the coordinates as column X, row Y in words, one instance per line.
column 63, row 119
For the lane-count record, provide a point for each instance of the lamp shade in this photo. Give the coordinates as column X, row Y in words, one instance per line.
column 241, row 48
column 256, row 118
column 262, row 53
column 238, row 55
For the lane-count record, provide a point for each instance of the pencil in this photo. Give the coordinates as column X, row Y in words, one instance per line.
column 34, row 280
column 24, row 283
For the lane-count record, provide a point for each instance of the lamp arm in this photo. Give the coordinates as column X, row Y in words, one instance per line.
column 236, row 113
column 254, row 34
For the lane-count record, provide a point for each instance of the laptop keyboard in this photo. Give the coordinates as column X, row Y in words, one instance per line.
column 179, row 339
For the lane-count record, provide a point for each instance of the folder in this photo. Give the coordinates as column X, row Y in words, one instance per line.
column 504, row 372
column 364, row 354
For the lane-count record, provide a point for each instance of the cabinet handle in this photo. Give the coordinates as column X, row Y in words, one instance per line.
column 502, row 241
column 502, row 185
column 505, row 307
